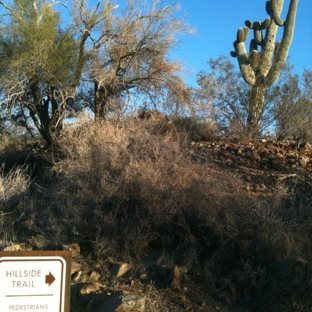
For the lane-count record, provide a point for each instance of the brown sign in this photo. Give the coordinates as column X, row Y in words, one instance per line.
column 35, row 281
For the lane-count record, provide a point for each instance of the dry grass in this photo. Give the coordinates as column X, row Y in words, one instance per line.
column 12, row 186
column 127, row 173
column 15, row 183
column 133, row 191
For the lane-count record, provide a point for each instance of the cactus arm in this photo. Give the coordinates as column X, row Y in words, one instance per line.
column 240, row 35
column 283, row 49
column 242, row 57
column 249, row 24
column 254, row 57
column 266, row 23
column 253, row 45
column 276, row 11
column 258, row 32
column 268, row 46
column 246, row 33
column 244, row 63
column 268, row 8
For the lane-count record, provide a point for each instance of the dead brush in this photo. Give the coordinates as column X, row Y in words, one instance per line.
column 12, row 186
column 134, row 185
column 134, row 193
column 15, row 183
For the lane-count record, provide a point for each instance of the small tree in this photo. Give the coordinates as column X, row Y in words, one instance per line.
column 228, row 97
column 127, row 52
column 36, row 66
column 293, row 107
column 261, row 69
column 106, row 54
column 221, row 86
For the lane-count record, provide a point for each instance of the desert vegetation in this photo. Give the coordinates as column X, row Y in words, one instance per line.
column 132, row 192
column 103, row 145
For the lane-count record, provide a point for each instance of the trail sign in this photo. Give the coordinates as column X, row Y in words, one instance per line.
column 35, row 281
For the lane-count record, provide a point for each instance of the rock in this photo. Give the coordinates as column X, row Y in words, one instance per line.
column 94, row 288
column 12, row 248
column 304, row 146
column 85, row 277
column 94, row 276
column 257, row 187
column 263, row 187
column 176, row 280
column 120, row 269
column 120, row 303
column 76, row 276
column 239, row 150
column 276, row 163
column 302, row 162
column 187, row 304
column 75, row 267
column 81, row 277
column 256, row 156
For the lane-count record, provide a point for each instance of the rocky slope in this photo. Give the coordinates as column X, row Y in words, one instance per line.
column 265, row 166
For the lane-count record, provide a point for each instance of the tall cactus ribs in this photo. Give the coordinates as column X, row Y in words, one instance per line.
column 265, row 60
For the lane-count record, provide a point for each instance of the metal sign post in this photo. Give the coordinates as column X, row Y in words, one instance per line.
column 35, row 281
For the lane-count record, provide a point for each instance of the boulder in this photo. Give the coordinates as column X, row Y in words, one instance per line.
column 121, row 303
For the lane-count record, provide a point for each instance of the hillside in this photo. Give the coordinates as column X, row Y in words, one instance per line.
column 166, row 216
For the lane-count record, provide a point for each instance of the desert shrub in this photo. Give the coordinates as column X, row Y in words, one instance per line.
column 133, row 192
column 15, row 183
column 197, row 129
column 134, row 182
column 262, row 255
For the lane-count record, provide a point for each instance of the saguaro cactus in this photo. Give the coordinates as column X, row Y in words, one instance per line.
column 264, row 63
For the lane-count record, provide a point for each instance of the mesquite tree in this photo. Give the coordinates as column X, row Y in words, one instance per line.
column 293, row 107
column 101, row 51
column 37, row 58
column 261, row 68
column 127, row 51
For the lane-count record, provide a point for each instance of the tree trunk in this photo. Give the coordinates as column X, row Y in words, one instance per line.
column 256, row 107
column 48, row 122
column 99, row 102
column 58, row 114
column 39, row 110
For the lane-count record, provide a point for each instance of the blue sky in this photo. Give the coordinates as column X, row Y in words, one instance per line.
column 217, row 21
